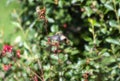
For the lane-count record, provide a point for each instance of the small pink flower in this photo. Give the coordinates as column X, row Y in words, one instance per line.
column 35, row 78
column 7, row 48
column 6, row 67
column 3, row 53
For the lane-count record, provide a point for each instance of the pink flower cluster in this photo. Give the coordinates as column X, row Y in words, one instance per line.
column 9, row 49
column 6, row 48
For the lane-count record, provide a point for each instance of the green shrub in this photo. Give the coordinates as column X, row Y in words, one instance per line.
column 66, row 40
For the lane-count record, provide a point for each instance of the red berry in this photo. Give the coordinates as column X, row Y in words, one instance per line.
column 65, row 25
column 18, row 53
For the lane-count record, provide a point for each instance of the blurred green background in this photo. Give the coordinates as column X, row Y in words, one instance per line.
column 7, row 7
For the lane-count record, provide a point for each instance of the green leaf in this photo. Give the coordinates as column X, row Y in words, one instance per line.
column 17, row 25
column 63, row 57
column 109, row 6
column 46, row 67
column 18, row 39
column 5, row 60
column 74, row 1
column 74, row 52
column 92, row 21
column 54, row 28
column 119, row 12
column 51, row 20
column 88, row 11
column 113, row 23
column 26, row 45
column 87, row 48
column 60, row 4
column 87, row 38
column 91, row 30
column 106, row 54
column 54, row 57
column 108, row 60
column 113, row 41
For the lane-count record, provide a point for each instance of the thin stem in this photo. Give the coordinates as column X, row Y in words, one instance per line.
column 40, row 66
column 18, row 63
column 94, row 35
column 45, row 26
column 16, row 78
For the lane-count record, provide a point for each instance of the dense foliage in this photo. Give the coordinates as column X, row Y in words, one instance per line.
column 64, row 40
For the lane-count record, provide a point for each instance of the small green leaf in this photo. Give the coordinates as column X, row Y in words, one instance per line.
column 18, row 39
column 109, row 7
column 113, row 41
column 54, row 28
column 26, row 45
column 5, row 60
column 106, row 54
column 91, row 30
column 113, row 23
column 87, row 38
column 51, row 20
column 119, row 12
column 93, row 22
column 74, row 52
column 87, row 48
column 54, row 57
column 17, row 25
column 47, row 67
